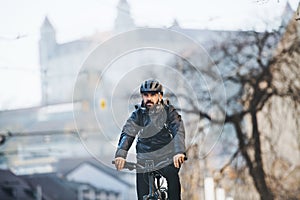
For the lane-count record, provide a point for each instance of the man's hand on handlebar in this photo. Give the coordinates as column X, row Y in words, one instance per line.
column 178, row 159
column 119, row 163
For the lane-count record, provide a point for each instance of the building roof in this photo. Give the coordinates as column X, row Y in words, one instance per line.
column 47, row 23
column 77, row 163
column 14, row 187
column 52, row 186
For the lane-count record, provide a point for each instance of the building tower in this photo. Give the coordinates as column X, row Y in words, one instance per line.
column 287, row 15
column 47, row 46
column 123, row 21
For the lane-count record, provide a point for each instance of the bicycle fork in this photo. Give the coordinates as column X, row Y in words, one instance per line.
column 149, row 165
column 152, row 188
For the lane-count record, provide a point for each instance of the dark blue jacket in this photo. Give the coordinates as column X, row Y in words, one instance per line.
column 160, row 133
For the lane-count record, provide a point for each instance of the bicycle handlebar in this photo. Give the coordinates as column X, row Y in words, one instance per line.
column 131, row 165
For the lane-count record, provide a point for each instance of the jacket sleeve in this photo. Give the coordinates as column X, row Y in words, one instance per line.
column 177, row 128
column 129, row 131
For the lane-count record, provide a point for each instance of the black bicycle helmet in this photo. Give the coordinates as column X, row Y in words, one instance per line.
column 151, row 86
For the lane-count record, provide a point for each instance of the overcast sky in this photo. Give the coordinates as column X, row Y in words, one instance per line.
column 21, row 21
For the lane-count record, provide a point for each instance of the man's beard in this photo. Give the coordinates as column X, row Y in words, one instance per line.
column 149, row 103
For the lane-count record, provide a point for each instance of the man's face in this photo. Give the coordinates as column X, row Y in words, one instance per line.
column 151, row 98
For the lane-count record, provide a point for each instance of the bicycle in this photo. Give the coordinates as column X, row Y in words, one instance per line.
column 156, row 190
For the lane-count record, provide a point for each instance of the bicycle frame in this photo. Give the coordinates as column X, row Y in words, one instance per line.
column 155, row 190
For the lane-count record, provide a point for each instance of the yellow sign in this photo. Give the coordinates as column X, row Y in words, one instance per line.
column 102, row 103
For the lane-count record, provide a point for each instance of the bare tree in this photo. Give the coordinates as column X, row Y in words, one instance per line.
column 258, row 67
